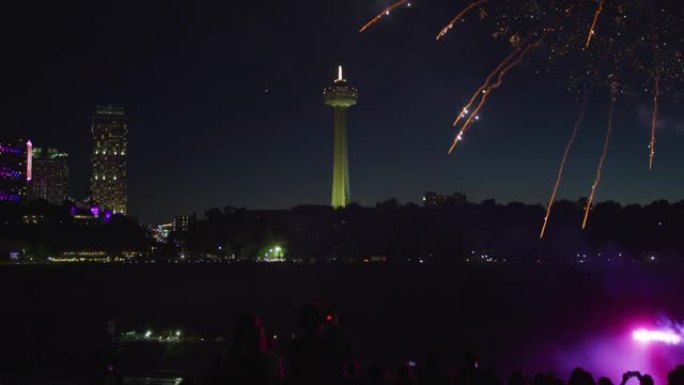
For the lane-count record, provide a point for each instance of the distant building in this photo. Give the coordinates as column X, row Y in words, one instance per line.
column 108, row 179
column 161, row 232
column 432, row 199
column 50, row 176
column 181, row 224
column 15, row 169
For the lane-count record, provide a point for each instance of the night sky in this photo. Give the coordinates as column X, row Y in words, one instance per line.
column 225, row 105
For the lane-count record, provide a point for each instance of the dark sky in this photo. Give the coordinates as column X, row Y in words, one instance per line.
column 204, row 132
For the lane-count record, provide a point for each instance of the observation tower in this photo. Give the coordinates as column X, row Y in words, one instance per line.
column 340, row 96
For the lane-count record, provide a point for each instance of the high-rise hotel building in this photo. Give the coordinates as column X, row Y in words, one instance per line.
column 108, row 179
column 50, row 175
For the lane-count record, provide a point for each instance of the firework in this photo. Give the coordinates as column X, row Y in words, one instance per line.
column 382, row 14
column 458, row 17
column 487, row 90
column 568, row 147
column 599, row 168
column 654, row 119
column 592, row 29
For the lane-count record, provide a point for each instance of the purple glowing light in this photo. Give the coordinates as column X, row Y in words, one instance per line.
column 664, row 336
column 95, row 211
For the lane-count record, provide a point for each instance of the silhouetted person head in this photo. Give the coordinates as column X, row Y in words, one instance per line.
column 433, row 372
column 405, row 375
column 646, row 380
column 676, row 376
column 517, row 378
column 605, row 381
column 376, row 374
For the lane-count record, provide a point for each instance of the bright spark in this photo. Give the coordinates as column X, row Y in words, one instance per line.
column 559, row 177
column 599, row 169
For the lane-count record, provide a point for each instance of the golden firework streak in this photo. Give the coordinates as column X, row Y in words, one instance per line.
column 382, row 14
column 453, row 21
column 654, row 120
column 599, row 9
column 486, row 90
column 559, row 177
column 599, row 169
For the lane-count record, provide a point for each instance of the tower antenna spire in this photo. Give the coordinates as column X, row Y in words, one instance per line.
column 339, row 73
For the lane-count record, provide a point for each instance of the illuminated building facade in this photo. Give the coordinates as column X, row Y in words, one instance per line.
column 50, row 175
column 340, row 97
column 181, row 224
column 108, row 179
column 15, row 169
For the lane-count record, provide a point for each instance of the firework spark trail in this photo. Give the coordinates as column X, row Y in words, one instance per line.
column 453, row 21
column 382, row 14
column 600, row 164
column 488, row 90
column 559, row 177
column 654, row 120
column 488, row 80
column 599, row 9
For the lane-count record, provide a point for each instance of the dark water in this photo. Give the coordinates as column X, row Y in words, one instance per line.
column 535, row 317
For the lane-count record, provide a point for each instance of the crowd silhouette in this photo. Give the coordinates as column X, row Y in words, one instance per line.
column 319, row 356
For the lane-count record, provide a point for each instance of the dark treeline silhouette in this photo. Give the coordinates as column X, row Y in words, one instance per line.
column 459, row 233
column 40, row 229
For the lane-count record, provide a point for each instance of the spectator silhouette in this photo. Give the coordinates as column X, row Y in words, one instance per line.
column 676, row 376
column 248, row 360
column 605, row 381
column 376, row 375
column 580, row 376
column 646, row 379
column 318, row 355
column 433, row 372
column 468, row 373
column 405, row 375
column 517, row 378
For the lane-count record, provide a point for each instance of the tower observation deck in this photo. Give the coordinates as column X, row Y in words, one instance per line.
column 340, row 96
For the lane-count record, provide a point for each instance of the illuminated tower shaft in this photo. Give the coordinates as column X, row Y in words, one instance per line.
column 340, row 97
column 340, row 184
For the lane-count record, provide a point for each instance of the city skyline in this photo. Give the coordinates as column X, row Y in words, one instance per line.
column 197, row 97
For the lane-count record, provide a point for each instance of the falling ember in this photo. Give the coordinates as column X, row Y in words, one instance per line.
column 458, row 17
column 382, row 14
column 562, row 166
column 599, row 9
column 486, row 92
column 654, row 121
column 600, row 164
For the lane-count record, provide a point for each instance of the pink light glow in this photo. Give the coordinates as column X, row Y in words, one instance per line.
column 29, row 160
column 665, row 336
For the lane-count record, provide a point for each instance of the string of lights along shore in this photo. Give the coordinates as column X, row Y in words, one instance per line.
column 340, row 97
column 108, row 180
